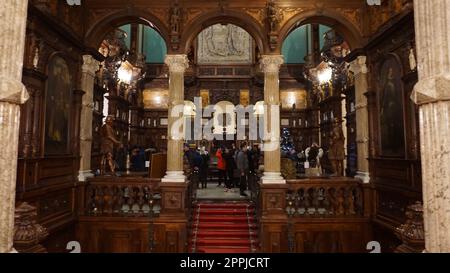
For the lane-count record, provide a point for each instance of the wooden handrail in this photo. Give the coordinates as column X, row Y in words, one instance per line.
column 325, row 198
column 124, row 196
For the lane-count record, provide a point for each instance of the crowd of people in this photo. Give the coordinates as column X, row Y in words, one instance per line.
column 234, row 165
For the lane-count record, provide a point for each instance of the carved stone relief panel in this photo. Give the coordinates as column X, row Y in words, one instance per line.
column 224, row 44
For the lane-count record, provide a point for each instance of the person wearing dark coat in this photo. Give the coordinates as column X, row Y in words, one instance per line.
column 230, row 167
column 251, row 163
column 243, row 167
column 197, row 162
column 204, row 167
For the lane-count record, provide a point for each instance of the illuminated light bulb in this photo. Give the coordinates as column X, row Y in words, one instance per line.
column 325, row 75
column 125, row 73
column 259, row 108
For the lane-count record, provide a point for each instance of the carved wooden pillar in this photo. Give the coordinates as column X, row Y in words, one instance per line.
column 432, row 22
column 12, row 94
column 36, row 136
column 274, row 219
column 90, row 66
column 359, row 68
column 26, row 132
column 77, row 101
column 270, row 64
column 177, row 65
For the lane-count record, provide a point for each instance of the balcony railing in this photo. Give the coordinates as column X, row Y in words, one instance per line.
column 325, row 198
column 110, row 196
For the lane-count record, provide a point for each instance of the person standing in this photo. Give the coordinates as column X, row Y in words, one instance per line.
column 250, row 157
column 221, row 166
column 230, row 166
column 243, row 167
column 204, row 167
column 196, row 166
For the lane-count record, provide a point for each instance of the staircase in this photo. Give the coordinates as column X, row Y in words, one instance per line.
column 226, row 227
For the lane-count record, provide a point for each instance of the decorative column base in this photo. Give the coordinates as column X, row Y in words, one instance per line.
column 365, row 177
column 174, row 177
column 272, row 178
column 84, row 175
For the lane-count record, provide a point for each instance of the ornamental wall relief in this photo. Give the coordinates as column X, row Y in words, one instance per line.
column 224, row 44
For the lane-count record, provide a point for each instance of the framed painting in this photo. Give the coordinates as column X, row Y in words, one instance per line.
column 204, row 94
column 390, row 103
column 244, row 97
column 58, row 107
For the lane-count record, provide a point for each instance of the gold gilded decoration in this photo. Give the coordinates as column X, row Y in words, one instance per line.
column 352, row 15
column 257, row 13
column 288, row 13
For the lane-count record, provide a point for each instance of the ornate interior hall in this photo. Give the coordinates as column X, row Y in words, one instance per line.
column 224, row 126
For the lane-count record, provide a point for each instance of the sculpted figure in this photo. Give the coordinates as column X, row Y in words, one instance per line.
column 175, row 18
column 336, row 152
column 108, row 140
column 272, row 15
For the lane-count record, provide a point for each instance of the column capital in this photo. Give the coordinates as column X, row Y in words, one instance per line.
column 432, row 89
column 271, row 63
column 177, row 63
column 12, row 91
column 359, row 65
column 90, row 65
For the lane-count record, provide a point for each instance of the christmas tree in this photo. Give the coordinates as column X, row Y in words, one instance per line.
column 287, row 144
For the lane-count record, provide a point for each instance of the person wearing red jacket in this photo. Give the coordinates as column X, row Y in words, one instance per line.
column 222, row 167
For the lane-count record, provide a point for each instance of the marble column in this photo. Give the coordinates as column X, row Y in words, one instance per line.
column 270, row 65
column 88, row 69
column 432, row 22
column 359, row 69
column 12, row 94
column 177, row 66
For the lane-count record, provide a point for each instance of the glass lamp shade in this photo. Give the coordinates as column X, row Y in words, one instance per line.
column 125, row 72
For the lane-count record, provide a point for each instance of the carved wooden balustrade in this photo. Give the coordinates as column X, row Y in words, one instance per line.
column 109, row 196
column 134, row 214
column 325, row 198
column 316, row 215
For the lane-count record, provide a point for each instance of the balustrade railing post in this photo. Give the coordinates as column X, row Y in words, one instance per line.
column 291, row 232
column 151, row 234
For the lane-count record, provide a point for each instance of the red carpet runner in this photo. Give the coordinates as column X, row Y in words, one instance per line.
column 227, row 227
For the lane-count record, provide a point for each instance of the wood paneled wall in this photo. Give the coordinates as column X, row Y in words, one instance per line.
column 46, row 181
column 397, row 179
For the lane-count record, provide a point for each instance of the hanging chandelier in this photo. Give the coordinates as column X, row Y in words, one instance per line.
column 122, row 69
column 331, row 72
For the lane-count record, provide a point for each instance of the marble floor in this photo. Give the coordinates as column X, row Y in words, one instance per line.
column 213, row 192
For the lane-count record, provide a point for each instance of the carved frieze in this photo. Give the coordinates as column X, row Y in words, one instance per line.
column 257, row 13
column 223, row 44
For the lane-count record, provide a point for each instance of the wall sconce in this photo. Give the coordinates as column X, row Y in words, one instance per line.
column 259, row 108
